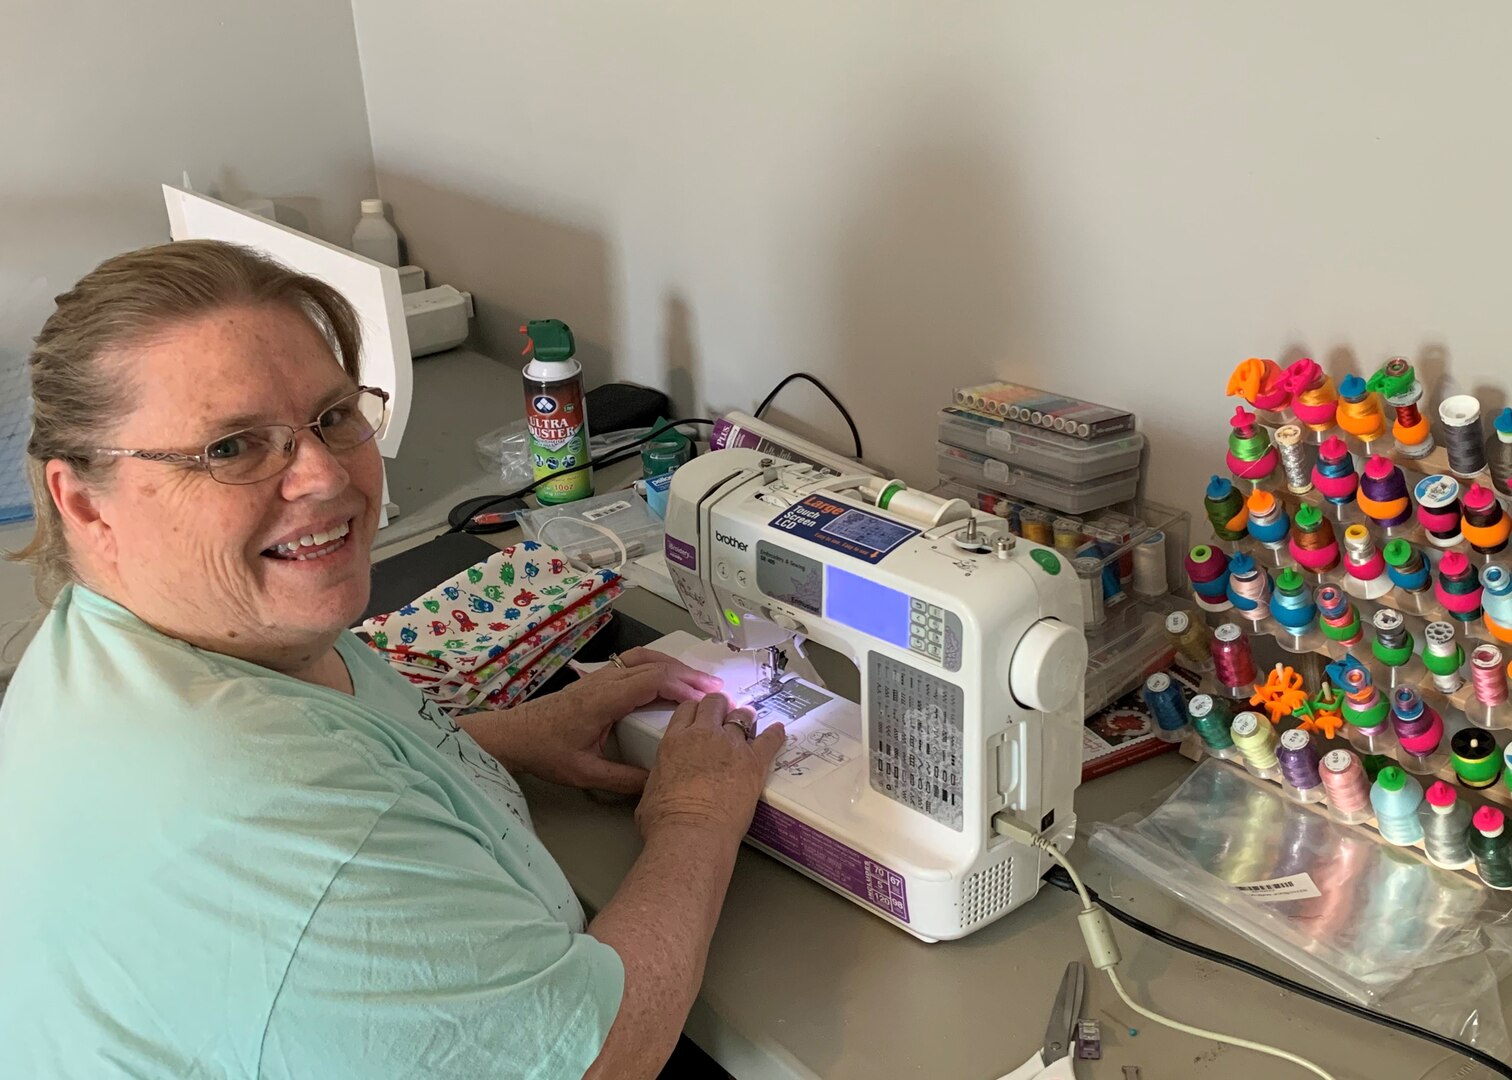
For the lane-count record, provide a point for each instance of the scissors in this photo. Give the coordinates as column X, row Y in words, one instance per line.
column 1054, row 1060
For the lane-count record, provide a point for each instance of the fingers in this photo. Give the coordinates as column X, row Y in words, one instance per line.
column 711, row 710
column 676, row 671
column 602, row 775
column 739, row 723
column 767, row 745
column 683, row 716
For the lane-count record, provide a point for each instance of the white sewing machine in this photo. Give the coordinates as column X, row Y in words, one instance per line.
column 971, row 658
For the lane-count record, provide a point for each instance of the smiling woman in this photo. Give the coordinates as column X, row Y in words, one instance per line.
column 236, row 843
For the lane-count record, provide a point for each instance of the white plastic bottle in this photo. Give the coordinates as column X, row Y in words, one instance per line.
column 374, row 237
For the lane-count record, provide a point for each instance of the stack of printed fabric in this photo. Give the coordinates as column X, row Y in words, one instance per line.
column 487, row 638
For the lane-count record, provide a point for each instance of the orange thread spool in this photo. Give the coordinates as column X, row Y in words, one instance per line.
column 1359, row 412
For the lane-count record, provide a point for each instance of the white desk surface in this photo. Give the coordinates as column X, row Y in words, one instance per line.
column 801, row 983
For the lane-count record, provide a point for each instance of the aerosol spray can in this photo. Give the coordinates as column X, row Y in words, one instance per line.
column 554, row 413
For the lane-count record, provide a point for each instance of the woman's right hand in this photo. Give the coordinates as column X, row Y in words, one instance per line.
column 707, row 773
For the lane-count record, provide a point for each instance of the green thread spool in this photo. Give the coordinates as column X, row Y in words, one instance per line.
column 1475, row 758
column 1210, row 718
column 1492, row 847
column 1393, row 644
column 1255, row 737
column 1224, row 506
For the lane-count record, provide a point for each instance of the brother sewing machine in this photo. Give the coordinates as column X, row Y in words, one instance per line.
column 971, row 658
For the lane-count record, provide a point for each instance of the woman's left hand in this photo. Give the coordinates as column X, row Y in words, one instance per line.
column 560, row 737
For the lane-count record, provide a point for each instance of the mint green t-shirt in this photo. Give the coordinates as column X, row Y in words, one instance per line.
column 208, row 869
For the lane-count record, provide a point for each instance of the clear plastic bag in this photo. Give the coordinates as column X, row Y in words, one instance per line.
column 507, row 449
column 1377, row 923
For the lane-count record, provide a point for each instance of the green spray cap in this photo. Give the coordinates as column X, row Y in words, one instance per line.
column 548, row 339
column 1397, row 552
column 1289, row 581
column 1308, row 516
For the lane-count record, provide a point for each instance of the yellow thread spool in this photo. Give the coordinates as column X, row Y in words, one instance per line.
column 1256, row 739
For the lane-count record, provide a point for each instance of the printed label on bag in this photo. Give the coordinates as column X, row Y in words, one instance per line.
column 1296, row 887
column 604, row 511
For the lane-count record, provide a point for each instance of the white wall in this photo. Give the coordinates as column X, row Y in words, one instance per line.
column 1117, row 200
column 102, row 101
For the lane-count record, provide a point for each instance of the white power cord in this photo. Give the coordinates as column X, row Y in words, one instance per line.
column 1103, row 950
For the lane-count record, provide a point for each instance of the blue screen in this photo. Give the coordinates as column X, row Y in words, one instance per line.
column 864, row 605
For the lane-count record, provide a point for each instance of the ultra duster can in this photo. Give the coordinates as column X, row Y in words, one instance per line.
column 554, row 413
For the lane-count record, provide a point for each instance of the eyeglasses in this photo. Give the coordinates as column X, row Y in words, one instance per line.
column 260, row 453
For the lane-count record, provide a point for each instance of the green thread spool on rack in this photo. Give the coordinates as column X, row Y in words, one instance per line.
column 1210, row 717
column 1492, row 847
column 1474, row 755
column 1225, row 509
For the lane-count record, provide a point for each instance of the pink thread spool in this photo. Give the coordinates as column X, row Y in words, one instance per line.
column 1458, row 587
column 1361, row 557
column 1334, row 474
column 1314, row 398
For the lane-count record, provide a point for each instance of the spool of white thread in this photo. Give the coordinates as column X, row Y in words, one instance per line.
column 1150, row 566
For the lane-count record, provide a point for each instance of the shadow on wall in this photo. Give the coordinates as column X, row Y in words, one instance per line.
column 518, row 264
column 933, row 285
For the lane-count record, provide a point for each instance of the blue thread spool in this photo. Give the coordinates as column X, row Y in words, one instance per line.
column 1406, row 566
column 1496, row 595
column 1162, row 695
column 1292, row 602
column 1268, row 520
column 1395, row 797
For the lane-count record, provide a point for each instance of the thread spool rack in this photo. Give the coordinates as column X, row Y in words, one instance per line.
column 1416, row 609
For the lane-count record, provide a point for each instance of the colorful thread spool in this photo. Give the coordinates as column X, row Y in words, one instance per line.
column 1475, row 758
column 1288, row 442
column 1191, row 638
column 1487, row 678
column 1268, row 522
column 1250, row 454
column 1383, row 493
column 1365, row 564
column 1225, row 509
column 1406, row 567
column 1461, row 417
column 1249, row 587
column 1439, row 509
column 1261, row 383
column 1207, row 568
column 1299, row 759
column 1395, row 797
column 1443, row 656
column 1359, row 411
column 1458, row 587
column 1334, row 474
column 1233, row 660
column 1315, row 399
column 1162, row 696
column 1038, row 527
column 1291, row 602
column 1210, row 717
column 1255, row 737
column 1393, row 644
column 1312, row 541
column 1498, row 452
column 1482, row 521
column 1364, row 707
column 1496, row 601
column 1445, row 820
column 1418, row 728
column 1398, row 383
column 1337, row 618
column 1346, row 785
column 1491, row 847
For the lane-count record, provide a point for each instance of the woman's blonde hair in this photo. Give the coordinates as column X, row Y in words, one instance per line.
column 123, row 303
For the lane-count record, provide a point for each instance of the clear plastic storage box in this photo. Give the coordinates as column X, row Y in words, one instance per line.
column 1051, row 491
column 1044, row 452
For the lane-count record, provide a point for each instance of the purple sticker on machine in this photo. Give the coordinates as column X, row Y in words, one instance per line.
column 680, row 553
column 845, row 867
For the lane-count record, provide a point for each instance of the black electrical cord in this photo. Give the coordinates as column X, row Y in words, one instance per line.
column 460, row 517
column 1061, row 880
column 806, row 377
